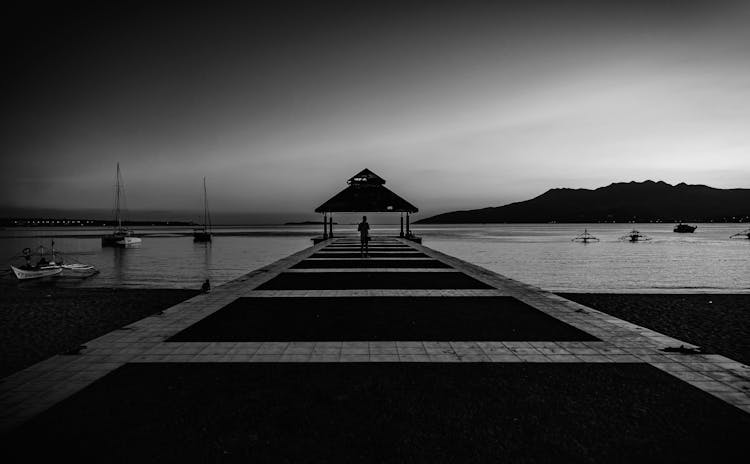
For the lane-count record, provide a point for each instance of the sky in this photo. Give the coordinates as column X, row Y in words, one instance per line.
column 457, row 105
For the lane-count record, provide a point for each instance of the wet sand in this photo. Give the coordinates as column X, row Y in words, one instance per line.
column 39, row 321
column 719, row 323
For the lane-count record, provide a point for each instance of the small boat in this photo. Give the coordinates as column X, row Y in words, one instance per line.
column 42, row 268
column 49, row 268
column 744, row 234
column 635, row 236
column 585, row 237
column 684, row 228
column 35, row 272
column 121, row 236
column 204, row 234
column 79, row 270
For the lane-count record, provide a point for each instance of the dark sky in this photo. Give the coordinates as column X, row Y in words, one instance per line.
column 456, row 104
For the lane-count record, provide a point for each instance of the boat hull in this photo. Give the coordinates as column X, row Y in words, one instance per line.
column 79, row 270
column 685, row 229
column 120, row 241
column 45, row 271
column 201, row 236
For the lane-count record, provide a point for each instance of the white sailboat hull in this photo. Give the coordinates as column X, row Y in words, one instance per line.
column 129, row 241
column 121, row 240
column 44, row 271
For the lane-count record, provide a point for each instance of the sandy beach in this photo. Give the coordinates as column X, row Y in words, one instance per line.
column 41, row 321
column 719, row 323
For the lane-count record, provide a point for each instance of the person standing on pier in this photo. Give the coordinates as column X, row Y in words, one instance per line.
column 364, row 236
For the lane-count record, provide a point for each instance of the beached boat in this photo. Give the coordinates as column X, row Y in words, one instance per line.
column 744, row 234
column 684, row 228
column 585, row 237
column 51, row 267
column 121, row 236
column 79, row 269
column 36, row 272
column 42, row 268
column 204, row 234
column 635, row 236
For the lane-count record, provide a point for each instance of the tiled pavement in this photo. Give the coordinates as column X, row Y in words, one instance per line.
column 33, row 390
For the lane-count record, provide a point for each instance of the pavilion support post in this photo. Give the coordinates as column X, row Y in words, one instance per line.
column 408, row 231
column 401, row 234
column 325, row 227
column 331, row 225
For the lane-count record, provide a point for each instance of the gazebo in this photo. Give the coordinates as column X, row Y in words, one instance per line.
column 366, row 193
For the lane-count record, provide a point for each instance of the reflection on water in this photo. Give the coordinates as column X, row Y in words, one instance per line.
column 539, row 254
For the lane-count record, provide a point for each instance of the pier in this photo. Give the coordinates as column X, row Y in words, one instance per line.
column 409, row 354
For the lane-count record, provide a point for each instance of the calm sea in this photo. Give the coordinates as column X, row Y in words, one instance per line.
column 539, row 254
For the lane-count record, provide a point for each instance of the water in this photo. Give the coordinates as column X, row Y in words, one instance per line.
column 539, row 254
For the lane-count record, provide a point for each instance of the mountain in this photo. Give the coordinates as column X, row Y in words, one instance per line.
column 619, row 202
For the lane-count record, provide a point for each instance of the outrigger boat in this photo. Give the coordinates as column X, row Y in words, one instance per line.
column 120, row 236
column 635, row 236
column 744, row 234
column 42, row 268
column 585, row 237
column 684, row 228
column 204, row 234
column 50, row 268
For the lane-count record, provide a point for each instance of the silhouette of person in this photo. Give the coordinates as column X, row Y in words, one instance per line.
column 206, row 287
column 364, row 237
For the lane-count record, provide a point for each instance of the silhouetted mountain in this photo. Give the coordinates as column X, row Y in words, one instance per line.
column 619, row 202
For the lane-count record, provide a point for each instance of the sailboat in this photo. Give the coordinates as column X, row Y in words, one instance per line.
column 204, row 234
column 120, row 236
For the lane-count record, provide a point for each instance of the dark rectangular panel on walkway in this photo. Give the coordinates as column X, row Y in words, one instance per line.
column 371, row 248
column 385, row 412
column 372, row 254
column 372, row 243
column 370, row 263
column 371, row 280
column 380, row 319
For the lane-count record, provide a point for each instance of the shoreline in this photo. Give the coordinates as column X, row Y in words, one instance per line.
column 41, row 321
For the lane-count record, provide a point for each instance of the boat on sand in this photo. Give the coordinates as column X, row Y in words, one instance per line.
column 50, row 268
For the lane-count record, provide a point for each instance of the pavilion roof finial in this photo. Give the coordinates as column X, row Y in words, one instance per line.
column 366, row 177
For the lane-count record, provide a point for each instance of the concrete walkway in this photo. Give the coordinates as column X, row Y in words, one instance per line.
column 610, row 340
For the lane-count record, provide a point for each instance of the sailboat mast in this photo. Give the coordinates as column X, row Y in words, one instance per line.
column 117, row 198
column 206, row 216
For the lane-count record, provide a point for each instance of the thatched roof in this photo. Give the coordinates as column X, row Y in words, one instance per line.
column 366, row 193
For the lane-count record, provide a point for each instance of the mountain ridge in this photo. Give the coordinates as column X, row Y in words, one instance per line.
column 645, row 201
